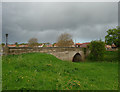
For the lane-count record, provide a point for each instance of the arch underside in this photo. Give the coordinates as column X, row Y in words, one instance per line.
column 77, row 58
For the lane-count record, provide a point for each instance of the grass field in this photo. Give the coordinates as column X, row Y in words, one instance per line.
column 39, row 71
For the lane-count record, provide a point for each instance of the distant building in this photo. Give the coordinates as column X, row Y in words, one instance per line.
column 73, row 45
column 11, row 45
column 41, row 45
column 114, row 46
column 23, row 45
column 85, row 45
column 49, row 45
column 108, row 47
column 55, row 45
column 78, row 44
column 82, row 45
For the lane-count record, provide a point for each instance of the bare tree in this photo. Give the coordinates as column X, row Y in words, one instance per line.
column 65, row 40
column 33, row 42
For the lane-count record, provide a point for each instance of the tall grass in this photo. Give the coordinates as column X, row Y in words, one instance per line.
column 109, row 56
column 39, row 71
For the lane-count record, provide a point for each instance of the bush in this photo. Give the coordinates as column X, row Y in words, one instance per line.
column 97, row 50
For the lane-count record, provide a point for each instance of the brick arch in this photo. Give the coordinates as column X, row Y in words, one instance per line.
column 77, row 57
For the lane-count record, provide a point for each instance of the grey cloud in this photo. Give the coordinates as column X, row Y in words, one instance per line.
column 85, row 21
column 0, row 22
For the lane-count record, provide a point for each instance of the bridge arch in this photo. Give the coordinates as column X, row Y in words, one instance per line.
column 77, row 57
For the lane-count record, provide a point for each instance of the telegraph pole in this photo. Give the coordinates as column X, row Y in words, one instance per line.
column 6, row 49
column 6, row 40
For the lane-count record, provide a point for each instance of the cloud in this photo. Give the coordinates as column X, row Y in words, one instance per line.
column 46, row 21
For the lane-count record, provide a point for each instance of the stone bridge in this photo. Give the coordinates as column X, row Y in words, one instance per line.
column 64, row 53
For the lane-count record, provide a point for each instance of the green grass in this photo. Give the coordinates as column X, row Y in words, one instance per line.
column 111, row 56
column 39, row 71
column 0, row 73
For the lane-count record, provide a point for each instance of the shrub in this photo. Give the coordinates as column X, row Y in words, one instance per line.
column 97, row 50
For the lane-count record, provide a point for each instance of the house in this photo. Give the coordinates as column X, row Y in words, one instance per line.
column 23, row 45
column 49, row 45
column 11, row 45
column 82, row 45
column 114, row 46
column 55, row 45
column 85, row 45
column 78, row 44
column 73, row 45
column 41, row 45
column 108, row 47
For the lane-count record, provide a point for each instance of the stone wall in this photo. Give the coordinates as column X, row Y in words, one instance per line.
column 63, row 53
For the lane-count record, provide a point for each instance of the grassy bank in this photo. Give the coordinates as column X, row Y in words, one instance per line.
column 41, row 71
column 111, row 56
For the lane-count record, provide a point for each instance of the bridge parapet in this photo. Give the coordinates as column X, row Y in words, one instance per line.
column 63, row 53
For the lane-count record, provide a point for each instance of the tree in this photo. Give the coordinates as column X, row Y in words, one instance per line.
column 65, row 40
column 3, row 44
column 16, row 44
column 119, row 44
column 23, row 43
column 44, row 45
column 112, row 37
column 97, row 50
column 53, row 44
column 33, row 42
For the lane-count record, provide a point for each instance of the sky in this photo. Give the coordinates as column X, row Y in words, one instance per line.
column 85, row 21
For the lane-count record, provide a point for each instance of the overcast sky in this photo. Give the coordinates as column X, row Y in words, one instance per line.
column 46, row 21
